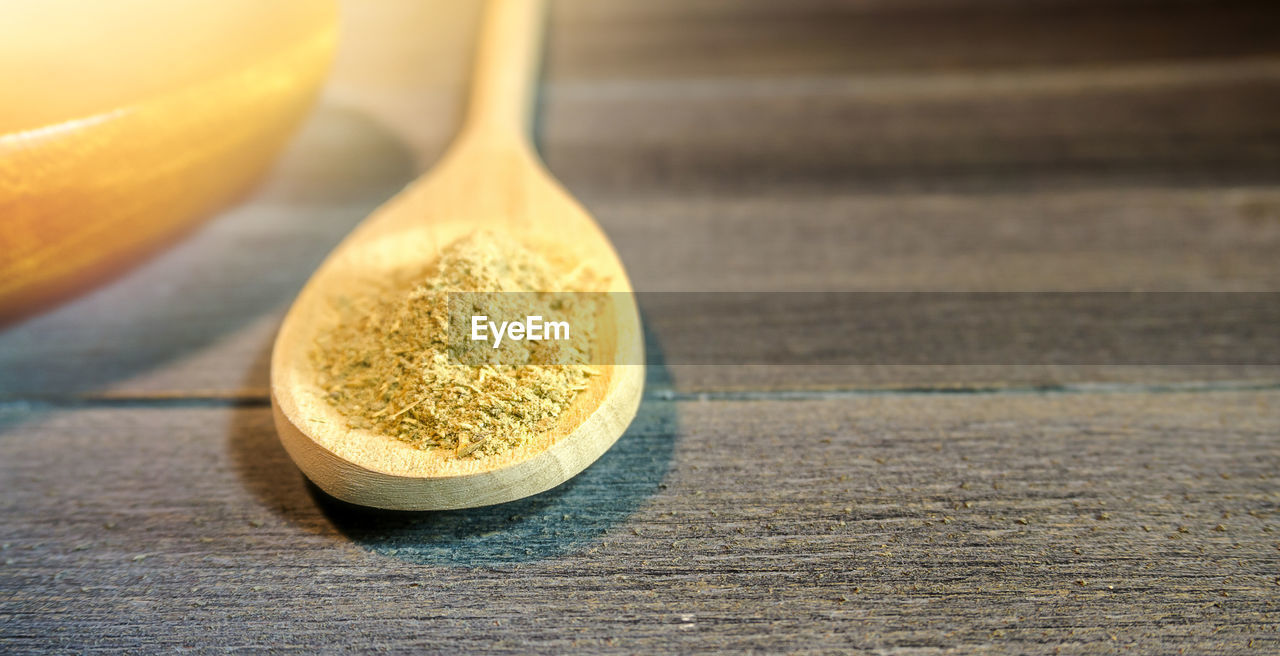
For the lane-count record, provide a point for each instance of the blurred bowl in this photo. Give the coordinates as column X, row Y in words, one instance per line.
column 127, row 121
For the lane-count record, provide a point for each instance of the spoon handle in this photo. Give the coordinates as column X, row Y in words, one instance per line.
column 506, row 65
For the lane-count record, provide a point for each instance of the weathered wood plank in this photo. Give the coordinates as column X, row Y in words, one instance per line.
column 673, row 39
column 910, row 523
column 1163, row 125
column 1099, row 240
column 199, row 319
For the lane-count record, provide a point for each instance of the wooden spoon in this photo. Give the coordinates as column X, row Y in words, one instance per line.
column 490, row 179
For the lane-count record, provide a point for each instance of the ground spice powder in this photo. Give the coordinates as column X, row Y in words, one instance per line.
column 386, row 366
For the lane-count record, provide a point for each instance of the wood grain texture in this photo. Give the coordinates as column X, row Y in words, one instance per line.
column 919, row 96
column 1169, row 124
column 228, row 286
column 603, row 40
column 903, row 524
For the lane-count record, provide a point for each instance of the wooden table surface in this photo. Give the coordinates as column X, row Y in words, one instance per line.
column 730, row 145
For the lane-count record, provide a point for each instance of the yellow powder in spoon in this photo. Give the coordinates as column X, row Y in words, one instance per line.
column 386, row 366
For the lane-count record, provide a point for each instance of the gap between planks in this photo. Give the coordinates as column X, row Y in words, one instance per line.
column 936, row 85
column 260, row 398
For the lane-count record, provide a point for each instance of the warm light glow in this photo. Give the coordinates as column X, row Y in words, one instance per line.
column 65, row 59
